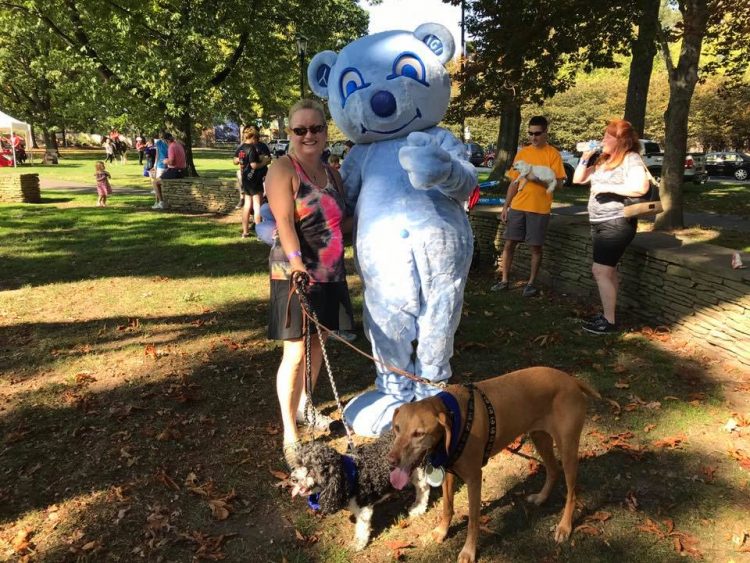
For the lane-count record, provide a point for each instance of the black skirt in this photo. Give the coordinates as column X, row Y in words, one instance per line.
column 326, row 299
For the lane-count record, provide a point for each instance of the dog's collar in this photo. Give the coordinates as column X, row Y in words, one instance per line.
column 439, row 457
column 350, row 473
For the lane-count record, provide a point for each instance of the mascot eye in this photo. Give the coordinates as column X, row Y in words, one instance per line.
column 410, row 66
column 351, row 81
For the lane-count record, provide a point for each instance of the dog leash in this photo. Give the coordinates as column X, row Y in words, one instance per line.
column 310, row 314
column 298, row 284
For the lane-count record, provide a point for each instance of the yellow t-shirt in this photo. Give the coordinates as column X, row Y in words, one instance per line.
column 534, row 197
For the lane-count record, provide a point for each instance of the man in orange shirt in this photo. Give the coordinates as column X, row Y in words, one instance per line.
column 526, row 212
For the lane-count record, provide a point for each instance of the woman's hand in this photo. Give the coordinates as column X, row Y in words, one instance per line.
column 587, row 155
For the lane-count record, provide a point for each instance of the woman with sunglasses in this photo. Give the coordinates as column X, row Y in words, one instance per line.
column 618, row 173
column 307, row 200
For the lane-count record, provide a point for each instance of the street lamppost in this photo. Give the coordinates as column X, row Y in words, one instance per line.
column 301, row 50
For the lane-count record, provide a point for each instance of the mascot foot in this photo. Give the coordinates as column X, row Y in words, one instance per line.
column 370, row 414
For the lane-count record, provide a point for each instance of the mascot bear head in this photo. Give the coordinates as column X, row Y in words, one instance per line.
column 386, row 85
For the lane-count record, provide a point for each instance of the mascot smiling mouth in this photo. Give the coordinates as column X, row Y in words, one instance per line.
column 417, row 116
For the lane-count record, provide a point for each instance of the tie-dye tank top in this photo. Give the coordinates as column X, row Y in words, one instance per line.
column 318, row 214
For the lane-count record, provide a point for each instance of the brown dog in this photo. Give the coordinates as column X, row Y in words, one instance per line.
column 546, row 403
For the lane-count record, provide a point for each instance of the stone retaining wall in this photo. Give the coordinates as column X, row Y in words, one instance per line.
column 20, row 188
column 689, row 287
column 200, row 195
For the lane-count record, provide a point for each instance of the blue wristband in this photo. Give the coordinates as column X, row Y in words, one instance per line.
column 295, row 254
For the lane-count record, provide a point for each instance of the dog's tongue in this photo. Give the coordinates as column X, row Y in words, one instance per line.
column 399, row 478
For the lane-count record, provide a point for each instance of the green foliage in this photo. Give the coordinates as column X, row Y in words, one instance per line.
column 159, row 64
column 528, row 51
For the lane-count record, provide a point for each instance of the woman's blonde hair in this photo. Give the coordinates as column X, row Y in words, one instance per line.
column 99, row 165
column 307, row 103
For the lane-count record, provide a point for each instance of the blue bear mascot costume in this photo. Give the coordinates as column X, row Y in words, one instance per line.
column 406, row 182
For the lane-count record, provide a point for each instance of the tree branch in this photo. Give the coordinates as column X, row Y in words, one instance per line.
column 224, row 73
column 661, row 38
column 138, row 20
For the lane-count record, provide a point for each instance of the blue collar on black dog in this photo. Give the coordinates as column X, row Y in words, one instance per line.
column 350, row 472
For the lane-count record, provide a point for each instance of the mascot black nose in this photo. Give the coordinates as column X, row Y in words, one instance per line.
column 383, row 103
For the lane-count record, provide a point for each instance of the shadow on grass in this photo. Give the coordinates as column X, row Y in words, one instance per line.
column 48, row 245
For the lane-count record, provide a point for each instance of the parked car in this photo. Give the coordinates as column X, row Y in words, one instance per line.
column 279, row 147
column 734, row 164
column 489, row 158
column 474, row 153
column 653, row 158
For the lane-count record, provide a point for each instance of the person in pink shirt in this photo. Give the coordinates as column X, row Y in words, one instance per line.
column 176, row 166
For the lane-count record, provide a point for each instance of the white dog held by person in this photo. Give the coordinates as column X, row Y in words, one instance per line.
column 535, row 173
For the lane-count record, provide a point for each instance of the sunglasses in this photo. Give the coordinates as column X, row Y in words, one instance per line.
column 314, row 129
column 535, row 133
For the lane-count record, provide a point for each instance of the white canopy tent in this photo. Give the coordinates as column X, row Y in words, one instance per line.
column 8, row 123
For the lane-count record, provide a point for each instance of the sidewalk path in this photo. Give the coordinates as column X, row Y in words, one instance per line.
column 727, row 222
column 53, row 184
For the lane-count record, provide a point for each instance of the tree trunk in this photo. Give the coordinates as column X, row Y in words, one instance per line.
column 50, row 140
column 507, row 139
column 682, row 81
column 64, row 138
column 643, row 49
column 185, row 124
column 33, row 138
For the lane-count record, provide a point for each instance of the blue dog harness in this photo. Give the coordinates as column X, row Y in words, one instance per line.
column 350, row 472
column 439, row 458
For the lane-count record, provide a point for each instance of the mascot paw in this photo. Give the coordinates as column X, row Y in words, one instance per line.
column 426, row 163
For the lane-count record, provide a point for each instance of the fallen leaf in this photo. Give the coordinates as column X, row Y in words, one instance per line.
column 395, row 545
column 84, row 378
column 150, row 351
column 21, row 542
column 648, row 428
column 599, row 516
column 709, row 472
column 166, row 480
column 587, row 529
column 671, row 442
column 219, row 509
column 622, row 385
column 280, row 475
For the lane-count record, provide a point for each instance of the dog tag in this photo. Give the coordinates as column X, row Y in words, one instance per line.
column 434, row 475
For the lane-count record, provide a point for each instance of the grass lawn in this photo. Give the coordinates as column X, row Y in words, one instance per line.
column 77, row 165
column 139, row 418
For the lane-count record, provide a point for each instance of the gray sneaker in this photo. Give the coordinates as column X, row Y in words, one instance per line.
column 322, row 422
column 346, row 335
column 500, row 286
column 529, row 291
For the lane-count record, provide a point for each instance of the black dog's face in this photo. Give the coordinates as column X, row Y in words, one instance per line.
column 303, row 482
column 317, row 465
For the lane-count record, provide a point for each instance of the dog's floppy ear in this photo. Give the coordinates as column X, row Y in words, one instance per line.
column 446, row 424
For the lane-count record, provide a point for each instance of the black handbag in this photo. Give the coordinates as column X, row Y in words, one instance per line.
column 645, row 205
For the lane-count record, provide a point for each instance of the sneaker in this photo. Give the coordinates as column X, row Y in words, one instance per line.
column 529, row 291
column 500, row 286
column 593, row 319
column 600, row 326
column 322, row 422
column 157, row 205
column 346, row 335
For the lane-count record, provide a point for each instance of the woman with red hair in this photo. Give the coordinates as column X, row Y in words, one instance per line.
column 617, row 173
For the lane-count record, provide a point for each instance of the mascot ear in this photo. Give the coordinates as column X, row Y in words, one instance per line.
column 319, row 72
column 438, row 39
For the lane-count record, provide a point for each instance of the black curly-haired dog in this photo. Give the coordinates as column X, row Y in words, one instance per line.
column 356, row 482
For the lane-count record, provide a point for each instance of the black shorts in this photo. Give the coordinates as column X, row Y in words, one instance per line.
column 173, row 174
column 252, row 188
column 326, row 299
column 611, row 238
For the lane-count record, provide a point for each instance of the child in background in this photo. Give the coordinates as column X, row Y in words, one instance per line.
column 103, row 188
column 334, row 162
